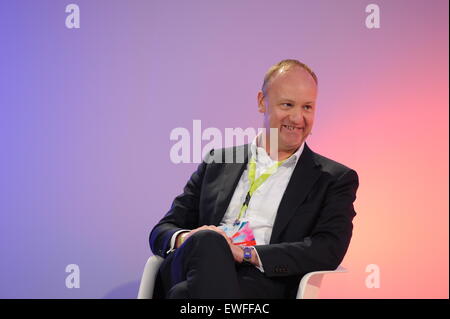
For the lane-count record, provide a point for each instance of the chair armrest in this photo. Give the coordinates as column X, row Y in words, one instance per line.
column 310, row 284
column 149, row 276
column 307, row 289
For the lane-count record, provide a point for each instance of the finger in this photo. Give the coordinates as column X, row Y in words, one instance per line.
column 220, row 231
column 213, row 228
column 198, row 229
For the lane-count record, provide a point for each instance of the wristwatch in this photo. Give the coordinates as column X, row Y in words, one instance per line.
column 247, row 254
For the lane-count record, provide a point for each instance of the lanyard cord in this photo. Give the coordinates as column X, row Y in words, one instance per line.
column 255, row 184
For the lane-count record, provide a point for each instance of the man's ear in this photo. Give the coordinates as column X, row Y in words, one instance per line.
column 261, row 105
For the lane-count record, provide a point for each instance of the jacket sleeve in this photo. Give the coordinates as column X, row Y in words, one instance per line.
column 329, row 240
column 183, row 214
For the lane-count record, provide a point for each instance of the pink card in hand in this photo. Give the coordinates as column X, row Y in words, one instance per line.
column 241, row 234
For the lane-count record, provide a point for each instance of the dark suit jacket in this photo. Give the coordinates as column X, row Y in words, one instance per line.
column 313, row 225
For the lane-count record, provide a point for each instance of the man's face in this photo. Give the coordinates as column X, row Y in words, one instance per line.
column 289, row 106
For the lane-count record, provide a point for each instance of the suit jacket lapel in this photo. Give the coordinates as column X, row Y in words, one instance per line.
column 230, row 178
column 305, row 174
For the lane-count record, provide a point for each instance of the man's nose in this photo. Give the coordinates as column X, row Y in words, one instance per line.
column 296, row 116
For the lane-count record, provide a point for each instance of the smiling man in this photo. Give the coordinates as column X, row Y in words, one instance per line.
column 288, row 102
column 253, row 229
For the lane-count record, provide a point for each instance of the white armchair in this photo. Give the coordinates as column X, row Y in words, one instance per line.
column 308, row 288
column 149, row 276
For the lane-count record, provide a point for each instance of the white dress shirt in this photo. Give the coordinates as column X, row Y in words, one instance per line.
column 263, row 206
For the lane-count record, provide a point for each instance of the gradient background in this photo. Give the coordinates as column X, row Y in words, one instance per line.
column 86, row 116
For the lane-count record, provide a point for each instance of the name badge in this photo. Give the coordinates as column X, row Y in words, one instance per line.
column 240, row 234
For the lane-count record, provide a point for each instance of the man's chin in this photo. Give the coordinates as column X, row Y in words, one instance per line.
column 289, row 146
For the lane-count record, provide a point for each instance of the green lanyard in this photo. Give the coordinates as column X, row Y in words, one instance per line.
column 254, row 185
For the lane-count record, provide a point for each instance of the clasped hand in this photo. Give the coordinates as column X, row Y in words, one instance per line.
column 237, row 251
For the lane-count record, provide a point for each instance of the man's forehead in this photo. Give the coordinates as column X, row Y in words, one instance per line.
column 293, row 86
column 295, row 73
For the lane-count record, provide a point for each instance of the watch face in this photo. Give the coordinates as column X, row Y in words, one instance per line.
column 247, row 253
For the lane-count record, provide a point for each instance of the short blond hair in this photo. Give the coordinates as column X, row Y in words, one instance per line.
column 285, row 65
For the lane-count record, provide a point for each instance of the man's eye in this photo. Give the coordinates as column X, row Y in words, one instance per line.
column 287, row 104
column 308, row 107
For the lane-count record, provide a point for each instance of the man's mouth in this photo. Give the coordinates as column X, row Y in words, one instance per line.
column 292, row 128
